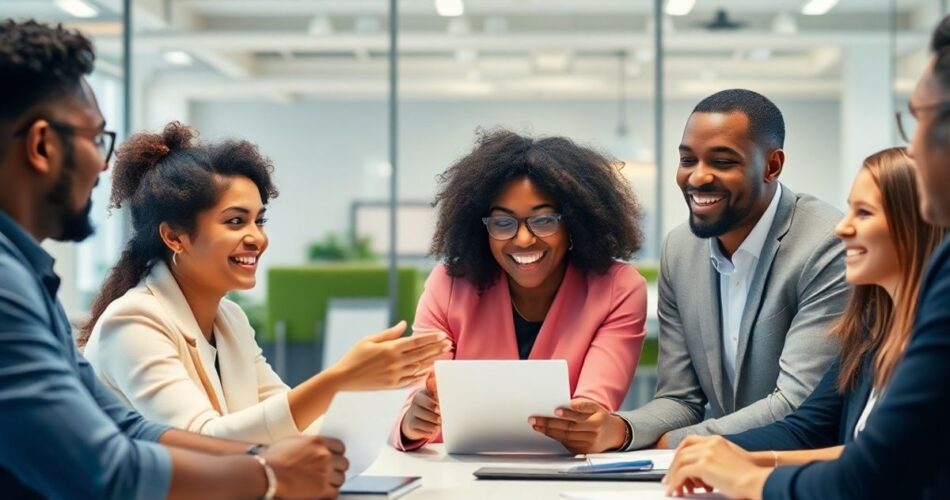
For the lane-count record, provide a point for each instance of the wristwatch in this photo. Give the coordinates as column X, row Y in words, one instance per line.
column 255, row 449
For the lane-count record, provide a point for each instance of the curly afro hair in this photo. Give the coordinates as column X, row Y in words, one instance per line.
column 170, row 177
column 597, row 205
column 39, row 63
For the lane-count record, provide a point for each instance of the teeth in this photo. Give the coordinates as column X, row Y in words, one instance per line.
column 248, row 261
column 854, row 251
column 705, row 199
column 527, row 258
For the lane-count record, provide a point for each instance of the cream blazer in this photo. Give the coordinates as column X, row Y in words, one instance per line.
column 148, row 349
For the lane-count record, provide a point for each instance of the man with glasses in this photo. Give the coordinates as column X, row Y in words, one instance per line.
column 63, row 434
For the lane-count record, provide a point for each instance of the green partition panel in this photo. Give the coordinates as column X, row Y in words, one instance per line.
column 298, row 295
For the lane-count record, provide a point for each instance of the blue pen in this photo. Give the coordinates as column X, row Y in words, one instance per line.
column 628, row 466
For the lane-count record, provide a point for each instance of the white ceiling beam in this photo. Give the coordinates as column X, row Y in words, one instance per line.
column 503, row 7
column 208, row 88
column 578, row 41
column 238, row 66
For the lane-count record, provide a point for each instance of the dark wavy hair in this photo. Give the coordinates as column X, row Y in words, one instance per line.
column 599, row 209
column 39, row 63
column 170, row 177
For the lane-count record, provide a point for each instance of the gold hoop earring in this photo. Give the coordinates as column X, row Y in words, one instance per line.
column 175, row 259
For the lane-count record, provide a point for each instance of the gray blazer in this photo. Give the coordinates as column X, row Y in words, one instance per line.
column 797, row 292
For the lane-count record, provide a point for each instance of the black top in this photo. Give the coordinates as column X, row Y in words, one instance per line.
column 526, row 332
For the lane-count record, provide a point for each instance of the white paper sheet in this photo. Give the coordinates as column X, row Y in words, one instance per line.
column 631, row 495
column 363, row 421
column 661, row 458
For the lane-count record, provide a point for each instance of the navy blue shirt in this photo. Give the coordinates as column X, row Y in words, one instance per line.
column 903, row 450
column 62, row 433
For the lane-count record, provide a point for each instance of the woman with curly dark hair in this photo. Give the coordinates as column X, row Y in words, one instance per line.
column 530, row 235
column 163, row 337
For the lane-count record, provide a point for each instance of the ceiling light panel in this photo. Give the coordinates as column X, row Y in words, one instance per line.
column 77, row 8
column 449, row 8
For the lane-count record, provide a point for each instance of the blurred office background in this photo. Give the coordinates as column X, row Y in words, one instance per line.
column 313, row 83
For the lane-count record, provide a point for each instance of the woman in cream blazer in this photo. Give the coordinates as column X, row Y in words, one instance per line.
column 148, row 349
column 162, row 335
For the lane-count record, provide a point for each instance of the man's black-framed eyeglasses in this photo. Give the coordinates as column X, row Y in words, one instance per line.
column 505, row 227
column 103, row 139
column 907, row 120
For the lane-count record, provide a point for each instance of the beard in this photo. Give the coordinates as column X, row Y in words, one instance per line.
column 728, row 220
column 715, row 228
column 75, row 225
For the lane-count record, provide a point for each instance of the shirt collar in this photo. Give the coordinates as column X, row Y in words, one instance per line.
column 752, row 245
column 39, row 260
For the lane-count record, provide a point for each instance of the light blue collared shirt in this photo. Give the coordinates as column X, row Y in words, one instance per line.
column 62, row 434
column 735, row 276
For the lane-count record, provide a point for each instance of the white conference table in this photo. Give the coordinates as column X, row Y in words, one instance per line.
column 450, row 477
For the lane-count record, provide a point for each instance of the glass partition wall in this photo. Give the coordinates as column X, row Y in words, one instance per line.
column 358, row 132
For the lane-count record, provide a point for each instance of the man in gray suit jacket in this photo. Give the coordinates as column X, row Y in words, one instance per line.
column 749, row 289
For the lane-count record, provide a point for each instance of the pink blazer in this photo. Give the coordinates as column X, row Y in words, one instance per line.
column 596, row 324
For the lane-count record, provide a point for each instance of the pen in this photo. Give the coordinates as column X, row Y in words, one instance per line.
column 628, row 466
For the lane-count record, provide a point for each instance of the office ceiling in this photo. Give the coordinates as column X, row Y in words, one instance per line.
column 296, row 49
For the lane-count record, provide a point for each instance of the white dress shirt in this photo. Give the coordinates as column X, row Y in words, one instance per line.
column 863, row 420
column 735, row 276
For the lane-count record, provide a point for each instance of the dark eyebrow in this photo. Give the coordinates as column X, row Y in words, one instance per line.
column 725, row 149
column 533, row 209
column 236, row 209
column 685, row 149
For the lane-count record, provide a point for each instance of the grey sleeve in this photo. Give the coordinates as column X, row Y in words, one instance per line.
column 679, row 400
column 808, row 351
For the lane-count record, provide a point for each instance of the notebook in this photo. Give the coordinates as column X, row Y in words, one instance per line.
column 378, row 487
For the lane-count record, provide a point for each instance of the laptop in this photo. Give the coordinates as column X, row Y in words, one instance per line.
column 486, row 404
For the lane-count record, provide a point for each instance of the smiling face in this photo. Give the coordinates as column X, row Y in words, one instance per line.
column 723, row 173
column 528, row 260
column 229, row 239
column 871, row 255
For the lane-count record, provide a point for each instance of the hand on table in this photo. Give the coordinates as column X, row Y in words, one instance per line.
column 423, row 420
column 710, row 462
column 307, row 466
column 585, row 427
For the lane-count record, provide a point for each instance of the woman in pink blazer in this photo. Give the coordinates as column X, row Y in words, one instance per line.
column 529, row 233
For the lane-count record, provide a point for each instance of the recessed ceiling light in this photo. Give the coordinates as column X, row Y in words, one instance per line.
column 818, row 7
column 449, row 8
column 679, row 7
column 77, row 8
column 178, row 58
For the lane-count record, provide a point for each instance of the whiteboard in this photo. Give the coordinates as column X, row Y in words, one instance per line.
column 415, row 225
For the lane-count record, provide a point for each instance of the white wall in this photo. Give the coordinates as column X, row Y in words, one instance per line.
column 326, row 153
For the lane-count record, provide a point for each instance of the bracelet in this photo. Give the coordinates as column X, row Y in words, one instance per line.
column 627, row 434
column 271, row 478
column 775, row 457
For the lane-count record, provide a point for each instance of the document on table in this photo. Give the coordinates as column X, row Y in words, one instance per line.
column 363, row 421
column 631, row 495
column 661, row 458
